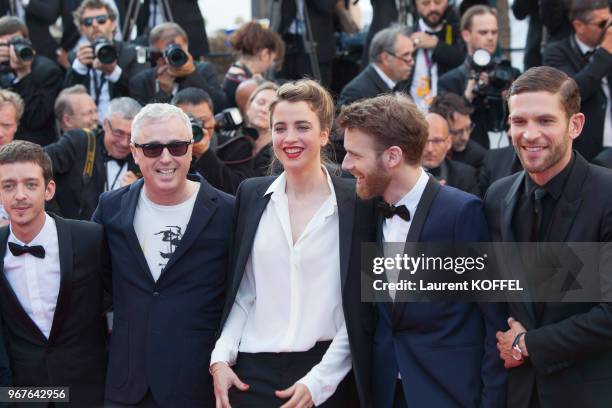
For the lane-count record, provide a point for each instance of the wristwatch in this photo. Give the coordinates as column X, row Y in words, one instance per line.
column 517, row 353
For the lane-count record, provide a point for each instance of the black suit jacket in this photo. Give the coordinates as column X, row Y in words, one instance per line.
column 77, row 196
column 164, row 330
column 367, row 84
column 498, row 163
column 356, row 224
column 74, row 355
column 473, row 155
column 142, row 86
column 126, row 59
column 604, row 158
column 570, row 352
column 565, row 55
column 39, row 90
column 461, row 176
column 555, row 17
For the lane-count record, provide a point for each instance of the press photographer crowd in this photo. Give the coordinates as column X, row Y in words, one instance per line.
column 180, row 230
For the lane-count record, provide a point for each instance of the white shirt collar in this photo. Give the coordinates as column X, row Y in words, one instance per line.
column 45, row 236
column 278, row 187
column 390, row 83
column 412, row 198
column 582, row 46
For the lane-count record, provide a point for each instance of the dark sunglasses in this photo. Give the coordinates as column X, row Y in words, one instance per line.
column 88, row 21
column 176, row 149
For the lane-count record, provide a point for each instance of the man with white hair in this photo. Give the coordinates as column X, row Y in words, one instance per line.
column 168, row 235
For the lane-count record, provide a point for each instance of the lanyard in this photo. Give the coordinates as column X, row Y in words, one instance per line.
column 112, row 186
column 97, row 87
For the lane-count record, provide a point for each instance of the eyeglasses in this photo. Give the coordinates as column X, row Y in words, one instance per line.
column 117, row 133
column 88, row 21
column 177, row 149
column 404, row 59
column 458, row 132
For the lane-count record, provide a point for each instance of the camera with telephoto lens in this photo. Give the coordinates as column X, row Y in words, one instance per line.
column 196, row 128
column 148, row 55
column 104, row 50
column 500, row 74
column 23, row 48
column 175, row 55
column 228, row 119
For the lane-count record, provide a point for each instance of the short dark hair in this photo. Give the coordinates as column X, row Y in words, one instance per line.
column 477, row 10
column 582, row 9
column 12, row 25
column 447, row 104
column 21, row 151
column 92, row 4
column 192, row 96
column 167, row 31
column 393, row 120
column 551, row 80
column 251, row 38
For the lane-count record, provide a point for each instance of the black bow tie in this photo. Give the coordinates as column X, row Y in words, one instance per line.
column 17, row 250
column 388, row 211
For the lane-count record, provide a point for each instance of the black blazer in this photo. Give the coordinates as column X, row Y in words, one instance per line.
column 462, row 176
column 39, row 90
column 126, row 59
column 498, row 163
column 604, row 158
column 367, row 84
column 473, row 155
column 356, row 224
column 164, row 330
column 555, row 17
column 570, row 352
column 565, row 55
column 74, row 355
column 142, row 86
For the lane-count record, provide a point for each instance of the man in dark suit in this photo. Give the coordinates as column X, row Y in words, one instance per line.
column 106, row 79
column 438, row 49
column 479, row 29
column 391, row 55
column 434, row 160
column 586, row 56
column 162, row 81
column 169, row 243
column 51, row 291
column 497, row 163
column 424, row 354
column 604, row 158
column 88, row 163
column 37, row 81
column 559, row 354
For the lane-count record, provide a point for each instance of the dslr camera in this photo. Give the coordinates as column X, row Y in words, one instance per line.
column 500, row 74
column 24, row 51
column 104, row 50
column 173, row 53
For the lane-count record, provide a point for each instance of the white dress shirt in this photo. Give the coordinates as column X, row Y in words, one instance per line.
column 290, row 295
column 424, row 86
column 104, row 100
column 390, row 83
column 607, row 132
column 36, row 281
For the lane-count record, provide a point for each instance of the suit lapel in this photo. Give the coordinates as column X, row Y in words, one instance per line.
column 377, row 80
column 507, row 209
column 129, row 202
column 11, row 298
column 345, row 197
column 64, row 239
column 203, row 210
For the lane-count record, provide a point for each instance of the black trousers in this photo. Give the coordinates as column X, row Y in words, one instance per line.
column 269, row 372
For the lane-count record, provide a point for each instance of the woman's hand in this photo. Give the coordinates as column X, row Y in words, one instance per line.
column 299, row 396
column 224, row 378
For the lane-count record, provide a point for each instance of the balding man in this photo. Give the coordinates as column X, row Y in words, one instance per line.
column 434, row 160
column 75, row 109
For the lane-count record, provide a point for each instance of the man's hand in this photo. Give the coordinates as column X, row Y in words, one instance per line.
column 61, row 57
column 106, row 68
column 504, row 344
column 424, row 40
column 21, row 68
column 184, row 70
column 202, row 146
column 483, row 80
column 165, row 78
column 128, row 178
column 223, row 379
column 299, row 396
column 85, row 54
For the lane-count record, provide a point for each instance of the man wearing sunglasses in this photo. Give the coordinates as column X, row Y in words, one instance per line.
column 87, row 164
column 168, row 235
column 104, row 81
column 391, row 63
column 586, row 56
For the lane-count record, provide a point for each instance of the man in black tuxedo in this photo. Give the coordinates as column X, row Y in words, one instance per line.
column 586, row 56
column 456, row 111
column 51, row 290
column 37, row 81
column 104, row 80
column 88, row 163
column 434, row 160
column 391, row 55
column 162, row 81
column 479, row 29
column 169, row 237
column 438, row 49
column 563, row 353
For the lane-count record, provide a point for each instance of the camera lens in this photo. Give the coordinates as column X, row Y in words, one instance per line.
column 105, row 52
column 175, row 55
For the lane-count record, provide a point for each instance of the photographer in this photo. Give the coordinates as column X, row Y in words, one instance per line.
column 103, row 66
column 586, row 56
column 174, row 69
column 35, row 78
column 481, row 79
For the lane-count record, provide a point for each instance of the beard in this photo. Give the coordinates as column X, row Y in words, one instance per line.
column 373, row 185
column 557, row 152
column 433, row 19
